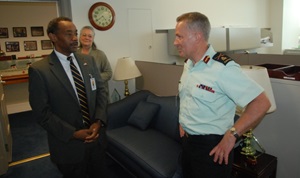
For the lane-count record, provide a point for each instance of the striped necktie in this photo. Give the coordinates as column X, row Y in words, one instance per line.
column 80, row 88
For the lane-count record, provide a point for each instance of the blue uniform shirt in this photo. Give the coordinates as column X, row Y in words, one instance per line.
column 209, row 92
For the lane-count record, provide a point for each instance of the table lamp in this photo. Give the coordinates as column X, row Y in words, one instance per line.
column 125, row 70
column 260, row 76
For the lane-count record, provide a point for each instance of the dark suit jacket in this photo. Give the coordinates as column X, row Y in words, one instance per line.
column 56, row 107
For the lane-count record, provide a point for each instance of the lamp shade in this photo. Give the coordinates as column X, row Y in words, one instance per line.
column 126, row 69
column 260, row 75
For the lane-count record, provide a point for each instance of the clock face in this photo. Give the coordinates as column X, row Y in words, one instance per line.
column 102, row 16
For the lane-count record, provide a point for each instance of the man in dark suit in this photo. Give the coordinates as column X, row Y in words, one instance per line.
column 73, row 142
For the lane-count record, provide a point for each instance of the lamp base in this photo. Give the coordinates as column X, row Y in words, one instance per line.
column 126, row 92
column 249, row 150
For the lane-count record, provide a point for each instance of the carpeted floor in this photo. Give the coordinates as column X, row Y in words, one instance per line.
column 40, row 168
column 30, row 140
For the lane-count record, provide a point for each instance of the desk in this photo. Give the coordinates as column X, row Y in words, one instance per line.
column 7, row 80
column 265, row 168
column 15, row 84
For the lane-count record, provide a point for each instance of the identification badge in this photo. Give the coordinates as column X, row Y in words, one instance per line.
column 93, row 84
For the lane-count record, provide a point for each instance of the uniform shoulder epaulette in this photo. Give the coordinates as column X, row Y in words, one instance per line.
column 222, row 58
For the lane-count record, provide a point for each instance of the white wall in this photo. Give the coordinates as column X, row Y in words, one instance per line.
column 276, row 22
column 285, row 25
column 114, row 42
column 291, row 24
column 278, row 132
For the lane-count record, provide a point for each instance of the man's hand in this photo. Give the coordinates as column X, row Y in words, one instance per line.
column 223, row 149
column 94, row 128
column 88, row 135
column 181, row 131
column 82, row 134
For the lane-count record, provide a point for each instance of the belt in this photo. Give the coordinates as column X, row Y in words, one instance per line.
column 209, row 137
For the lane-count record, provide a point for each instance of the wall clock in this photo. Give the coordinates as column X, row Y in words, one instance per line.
column 102, row 16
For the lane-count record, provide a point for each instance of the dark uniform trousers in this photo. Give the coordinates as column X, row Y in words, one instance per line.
column 196, row 162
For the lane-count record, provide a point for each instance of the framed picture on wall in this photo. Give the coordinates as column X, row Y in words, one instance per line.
column 37, row 31
column 12, row 46
column 3, row 32
column 19, row 32
column 30, row 45
column 46, row 44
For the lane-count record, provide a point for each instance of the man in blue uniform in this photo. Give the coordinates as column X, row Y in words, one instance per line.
column 210, row 88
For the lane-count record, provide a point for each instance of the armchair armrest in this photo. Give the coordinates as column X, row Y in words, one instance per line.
column 119, row 112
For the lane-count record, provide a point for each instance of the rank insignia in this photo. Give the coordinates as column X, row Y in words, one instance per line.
column 206, row 59
column 222, row 58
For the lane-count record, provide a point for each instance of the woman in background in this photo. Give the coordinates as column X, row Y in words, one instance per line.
column 88, row 46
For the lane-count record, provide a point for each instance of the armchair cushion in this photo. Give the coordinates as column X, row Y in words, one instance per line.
column 143, row 114
column 166, row 120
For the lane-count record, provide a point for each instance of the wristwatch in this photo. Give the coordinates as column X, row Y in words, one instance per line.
column 234, row 133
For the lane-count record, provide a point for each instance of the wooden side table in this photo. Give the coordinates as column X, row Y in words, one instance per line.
column 265, row 168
